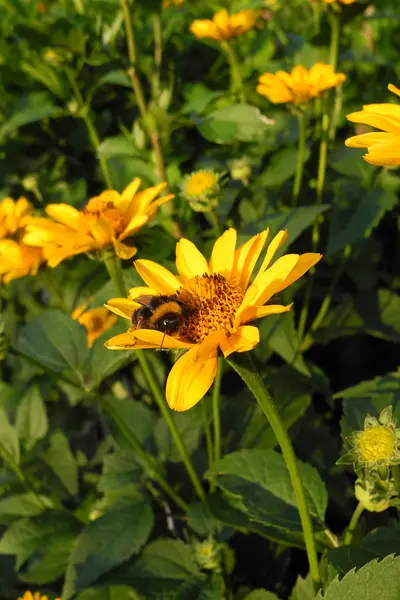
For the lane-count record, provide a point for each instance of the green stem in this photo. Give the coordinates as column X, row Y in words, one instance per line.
column 248, row 373
column 323, row 150
column 353, row 524
column 300, row 157
column 113, row 265
column 147, row 460
column 207, row 433
column 216, row 410
column 84, row 113
column 236, row 76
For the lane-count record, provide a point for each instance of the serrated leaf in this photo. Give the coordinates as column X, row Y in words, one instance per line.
column 31, row 421
column 378, row 543
column 106, row 543
column 375, row 580
column 303, row 590
column 102, row 362
column 62, row 462
column 260, row 481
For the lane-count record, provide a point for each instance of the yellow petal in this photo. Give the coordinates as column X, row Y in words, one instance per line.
column 136, row 223
column 128, row 194
column 274, row 245
column 123, row 307
column 123, row 341
column 122, row 250
column 102, row 232
column 365, row 140
column 223, row 253
column 142, row 291
column 189, row 260
column 385, row 118
column 191, row 377
column 246, row 258
column 386, row 154
column 65, row 214
column 243, row 340
column 251, row 313
column 143, row 199
column 305, row 262
column 157, row 276
column 158, row 339
column 270, row 282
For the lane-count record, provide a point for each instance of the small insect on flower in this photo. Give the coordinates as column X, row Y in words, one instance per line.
column 162, row 313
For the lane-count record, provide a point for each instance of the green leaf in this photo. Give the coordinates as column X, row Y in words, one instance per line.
column 211, row 588
column 31, row 108
column 56, row 342
column 106, row 543
column 25, row 505
column 102, row 362
column 282, row 167
column 62, row 462
column 198, row 98
column 279, row 332
column 116, row 77
column 134, row 415
column 31, row 422
column 375, row 580
column 378, row 543
column 8, row 437
column 295, row 220
column 260, row 482
column 239, row 122
column 28, row 536
column 190, row 425
column 113, row 592
column 356, row 212
column 303, row 590
column 118, row 145
column 162, row 568
column 261, row 595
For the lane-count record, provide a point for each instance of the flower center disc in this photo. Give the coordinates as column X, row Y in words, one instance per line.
column 97, row 208
column 377, row 443
column 211, row 306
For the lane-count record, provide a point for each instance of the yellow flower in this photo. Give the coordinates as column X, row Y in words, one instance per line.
column 337, row 1
column 105, row 221
column 96, row 321
column 35, row 596
column 300, row 85
column 168, row 3
column 224, row 27
column 376, row 444
column 383, row 146
column 201, row 190
column 218, row 301
column 17, row 259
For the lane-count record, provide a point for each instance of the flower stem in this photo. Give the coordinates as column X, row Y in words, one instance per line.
column 300, row 157
column 236, row 76
column 148, row 121
column 353, row 524
column 176, row 434
column 147, row 460
column 113, row 265
column 216, row 411
column 323, row 150
column 85, row 114
column 207, row 433
column 9, row 459
column 248, row 373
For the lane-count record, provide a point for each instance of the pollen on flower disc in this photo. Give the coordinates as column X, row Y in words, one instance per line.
column 377, row 443
column 212, row 302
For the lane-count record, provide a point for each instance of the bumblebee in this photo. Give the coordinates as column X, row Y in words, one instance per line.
column 163, row 313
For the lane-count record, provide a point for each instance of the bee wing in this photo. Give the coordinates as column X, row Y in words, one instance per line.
column 146, row 301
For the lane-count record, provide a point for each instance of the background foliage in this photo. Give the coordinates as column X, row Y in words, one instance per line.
column 81, row 514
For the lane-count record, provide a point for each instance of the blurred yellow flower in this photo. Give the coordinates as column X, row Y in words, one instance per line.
column 17, row 259
column 96, row 321
column 213, row 302
column 224, row 26
column 336, row 1
column 201, row 190
column 35, row 596
column 168, row 3
column 300, row 85
column 383, row 146
column 105, row 221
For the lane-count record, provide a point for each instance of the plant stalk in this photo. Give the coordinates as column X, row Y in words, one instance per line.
column 113, row 265
column 248, row 373
column 348, row 538
column 300, row 158
column 236, row 76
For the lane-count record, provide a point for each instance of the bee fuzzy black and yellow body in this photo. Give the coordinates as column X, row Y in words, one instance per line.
column 163, row 313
